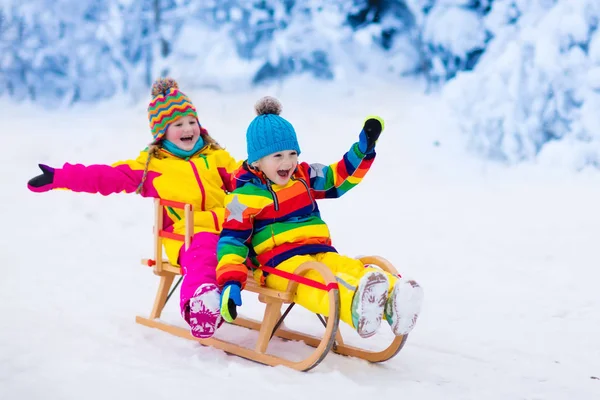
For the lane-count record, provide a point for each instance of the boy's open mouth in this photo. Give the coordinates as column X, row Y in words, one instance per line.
column 283, row 172
column 187, row 138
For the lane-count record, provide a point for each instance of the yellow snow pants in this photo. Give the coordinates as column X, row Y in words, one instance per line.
column 347, row 271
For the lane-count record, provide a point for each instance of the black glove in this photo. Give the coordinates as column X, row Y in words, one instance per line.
column 43, row 182
column 368, row 136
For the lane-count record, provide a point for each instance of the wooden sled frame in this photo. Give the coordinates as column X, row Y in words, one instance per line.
column 271, row 324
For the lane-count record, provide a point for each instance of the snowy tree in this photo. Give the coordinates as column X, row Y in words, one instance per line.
column 388, row 31
column 452, row 35
column 52, row 56
column 532, row 94
column 281, row 34
column 315, row 36
column 93, row 51
column 305, row 43
column 150, row 29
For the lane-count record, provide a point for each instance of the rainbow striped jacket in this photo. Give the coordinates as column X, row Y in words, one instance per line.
column 270, row 223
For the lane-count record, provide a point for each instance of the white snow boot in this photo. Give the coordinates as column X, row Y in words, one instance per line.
column 369, row 302
column 403, row 306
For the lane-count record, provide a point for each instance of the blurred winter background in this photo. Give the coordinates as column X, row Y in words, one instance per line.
column 521, row 76
column 485, row 190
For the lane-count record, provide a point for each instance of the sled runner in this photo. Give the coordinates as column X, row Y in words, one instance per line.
column 270, row 325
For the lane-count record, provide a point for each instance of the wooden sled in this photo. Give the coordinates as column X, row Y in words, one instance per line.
column 271, row 324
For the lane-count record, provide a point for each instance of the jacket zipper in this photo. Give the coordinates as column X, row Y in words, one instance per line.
column 275, row 201
column 312, row 201
column 203, row 194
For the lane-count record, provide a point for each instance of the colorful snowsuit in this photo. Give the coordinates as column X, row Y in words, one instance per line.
column 281, row 226
column 203, row 181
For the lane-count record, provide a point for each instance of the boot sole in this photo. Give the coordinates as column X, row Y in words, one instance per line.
column 371, row 303
column 408, row 299
column 205, row 313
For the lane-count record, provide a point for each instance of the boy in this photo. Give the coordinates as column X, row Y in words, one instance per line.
column 273, row 213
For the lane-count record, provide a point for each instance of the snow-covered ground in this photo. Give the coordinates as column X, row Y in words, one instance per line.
column 508, row 259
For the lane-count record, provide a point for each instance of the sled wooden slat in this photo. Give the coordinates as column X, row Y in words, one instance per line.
column 164, row 286
column 273, row 300
column 228, row 347
column 374, row 356
column 251, row 284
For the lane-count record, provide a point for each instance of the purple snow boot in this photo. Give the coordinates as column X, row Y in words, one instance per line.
column 203, row 312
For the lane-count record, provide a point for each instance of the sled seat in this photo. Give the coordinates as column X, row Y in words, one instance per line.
column 162, row 266
column 251, row 284
column 273, row 299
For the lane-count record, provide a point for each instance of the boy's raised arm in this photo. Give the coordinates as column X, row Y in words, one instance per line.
column 332, row 181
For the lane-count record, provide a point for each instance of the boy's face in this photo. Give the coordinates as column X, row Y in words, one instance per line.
column 184, row 132
column 280, row 166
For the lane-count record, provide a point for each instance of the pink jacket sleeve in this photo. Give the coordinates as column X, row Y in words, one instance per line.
column 103, row 179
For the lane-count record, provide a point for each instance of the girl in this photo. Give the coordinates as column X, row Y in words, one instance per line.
column 273, row 212
column 185, row 164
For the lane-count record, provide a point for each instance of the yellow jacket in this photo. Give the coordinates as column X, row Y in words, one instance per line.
column 203, row 180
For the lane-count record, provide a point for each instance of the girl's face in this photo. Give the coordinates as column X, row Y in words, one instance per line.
column 279, row 167
column 184, row 132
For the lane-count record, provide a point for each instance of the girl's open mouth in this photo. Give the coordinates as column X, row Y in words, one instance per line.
column 187, row 138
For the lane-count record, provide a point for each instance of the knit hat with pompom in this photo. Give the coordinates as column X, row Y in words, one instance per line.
column 269, row 133
column 168, row 104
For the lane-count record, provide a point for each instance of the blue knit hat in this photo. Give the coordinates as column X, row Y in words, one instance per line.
column 269, row 133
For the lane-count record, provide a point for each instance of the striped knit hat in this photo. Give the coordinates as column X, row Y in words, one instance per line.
column 167, row 105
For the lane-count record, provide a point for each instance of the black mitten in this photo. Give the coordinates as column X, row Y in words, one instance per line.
column 371, row 130
column 43, row 182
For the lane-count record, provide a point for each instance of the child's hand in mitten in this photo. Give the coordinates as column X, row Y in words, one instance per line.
column 43, row 182
column 370, row 133
column 231, row 297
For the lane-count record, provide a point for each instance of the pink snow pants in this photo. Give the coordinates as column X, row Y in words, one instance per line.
column 198, row 266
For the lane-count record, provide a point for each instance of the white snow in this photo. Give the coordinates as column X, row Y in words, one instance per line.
column 507, row 256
